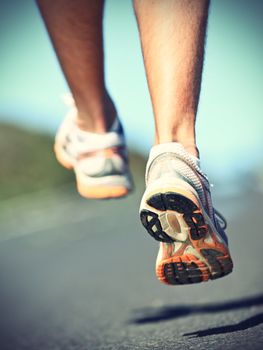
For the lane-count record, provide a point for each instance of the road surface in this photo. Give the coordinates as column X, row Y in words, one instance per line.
column 79, row 275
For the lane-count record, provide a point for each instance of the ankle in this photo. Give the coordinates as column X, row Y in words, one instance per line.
column 183, row 133
column 97, row 120
column 192, row 149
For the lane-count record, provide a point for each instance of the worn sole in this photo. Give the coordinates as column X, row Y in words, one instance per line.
column 192, row 250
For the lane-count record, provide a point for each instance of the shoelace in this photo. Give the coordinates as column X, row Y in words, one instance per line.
column 218, row 216
column 220, row 219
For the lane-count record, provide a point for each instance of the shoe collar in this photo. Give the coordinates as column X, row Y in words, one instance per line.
column 180, row 152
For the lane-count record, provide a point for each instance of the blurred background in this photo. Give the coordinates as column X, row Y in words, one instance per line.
column 230, row 122
column 55, row 246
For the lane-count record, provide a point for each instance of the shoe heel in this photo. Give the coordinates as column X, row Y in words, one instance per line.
column 61, row 159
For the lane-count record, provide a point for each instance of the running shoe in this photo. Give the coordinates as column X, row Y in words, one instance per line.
column 100, row 161
column 177, row 210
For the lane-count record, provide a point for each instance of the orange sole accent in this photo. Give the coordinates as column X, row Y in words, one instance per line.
column 187, row 268
column 183, row 269
column 100, row 192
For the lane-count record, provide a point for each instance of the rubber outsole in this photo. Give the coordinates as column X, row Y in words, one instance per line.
column 176, row 202
column 211, row 261
column 188, row 269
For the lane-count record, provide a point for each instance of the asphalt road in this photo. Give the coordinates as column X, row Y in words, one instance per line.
column 79, row 274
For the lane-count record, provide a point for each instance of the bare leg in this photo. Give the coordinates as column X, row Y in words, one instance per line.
column 75, row 28
column 172, row 36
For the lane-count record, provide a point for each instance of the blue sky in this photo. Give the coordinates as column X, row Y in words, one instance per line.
column 230, row 120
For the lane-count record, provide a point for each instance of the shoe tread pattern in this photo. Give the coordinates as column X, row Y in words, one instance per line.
column 174, row 202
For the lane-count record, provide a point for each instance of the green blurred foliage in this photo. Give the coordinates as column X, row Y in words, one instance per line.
column 27, row 162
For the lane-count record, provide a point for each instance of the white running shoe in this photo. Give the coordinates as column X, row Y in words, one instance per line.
column 100, row 161
column 176, row 209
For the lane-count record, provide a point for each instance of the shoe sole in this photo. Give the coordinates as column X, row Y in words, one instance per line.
column 100, row 192
column 91, row 192
column 205, row 257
